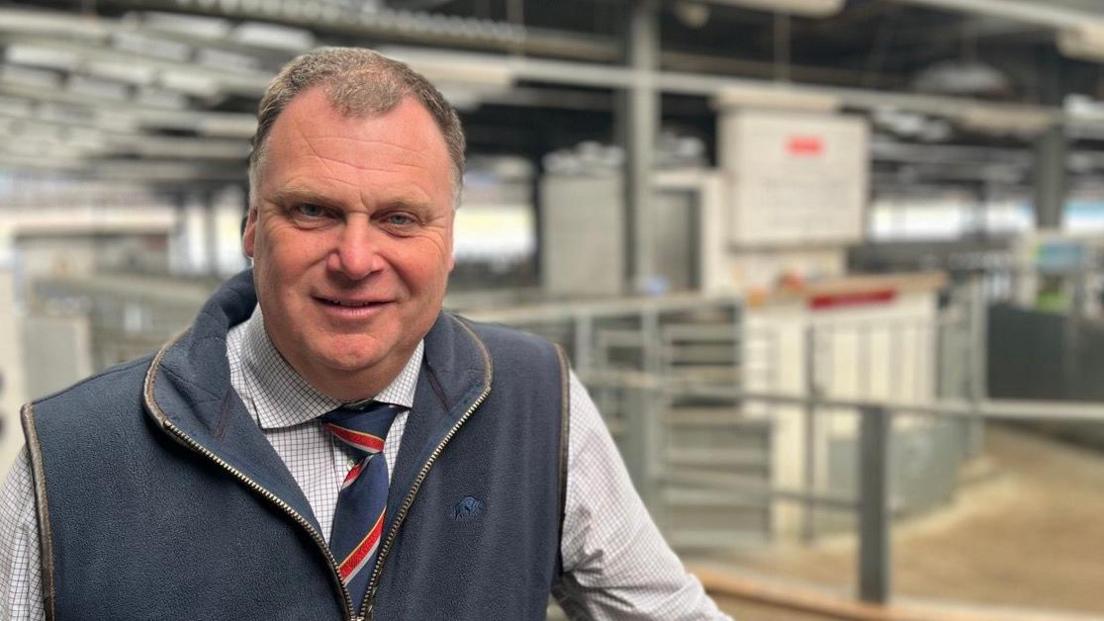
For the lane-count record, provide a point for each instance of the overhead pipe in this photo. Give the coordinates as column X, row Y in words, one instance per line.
column 1038, row 12
column 805, row 8
column 1028, row 117
column 1080, row 32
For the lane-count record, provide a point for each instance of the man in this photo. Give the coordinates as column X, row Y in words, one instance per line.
column 212, row 480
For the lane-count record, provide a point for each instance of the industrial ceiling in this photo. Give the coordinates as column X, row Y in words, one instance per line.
column 164, row 91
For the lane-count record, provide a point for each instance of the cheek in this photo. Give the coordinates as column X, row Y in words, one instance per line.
column 287, row 257
column 432, row 268
column 274, row 272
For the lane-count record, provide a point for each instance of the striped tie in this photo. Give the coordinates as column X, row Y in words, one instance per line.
column 359, row 517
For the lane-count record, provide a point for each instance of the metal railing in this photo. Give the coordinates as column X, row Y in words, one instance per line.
column 872, row 505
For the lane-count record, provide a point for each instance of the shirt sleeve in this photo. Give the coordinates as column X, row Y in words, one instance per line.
column 20, row 566
column 616, row 563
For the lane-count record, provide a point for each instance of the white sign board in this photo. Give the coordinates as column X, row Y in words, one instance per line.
column 797, row 178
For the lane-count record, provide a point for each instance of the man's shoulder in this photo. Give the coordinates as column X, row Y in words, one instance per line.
column 519, row 357
column 504, row 339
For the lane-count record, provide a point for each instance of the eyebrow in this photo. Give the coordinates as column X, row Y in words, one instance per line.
column 301, row 194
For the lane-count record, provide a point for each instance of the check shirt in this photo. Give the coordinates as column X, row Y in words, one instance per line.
column 617, row 563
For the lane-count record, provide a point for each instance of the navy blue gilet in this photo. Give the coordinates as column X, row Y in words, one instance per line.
column 159, row 498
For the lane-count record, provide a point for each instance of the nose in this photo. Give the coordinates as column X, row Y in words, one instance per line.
column 356, row 251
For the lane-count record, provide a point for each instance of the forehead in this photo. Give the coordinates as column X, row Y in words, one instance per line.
column 404, row 142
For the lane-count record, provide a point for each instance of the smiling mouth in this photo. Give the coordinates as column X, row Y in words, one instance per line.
column 350, row 303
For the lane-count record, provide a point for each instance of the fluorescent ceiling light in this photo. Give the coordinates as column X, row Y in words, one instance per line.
column 185, row 172
column 273, row 36
column 465, row 82
column 85, row 138
column 808, row 8
column 191, row 25
column 468, row 73
column 161, row 98
column 188, row 76
column 1038, row 12
column 132, row 72
column 461, row 98
column 190, row 83
column 775, row 97
column 100, row 89
column 38, row 144
column 64, row 114
column 454, row 69
column 51, row 163
column 34, row 78
column 1083, row 106
column 242, row 125
column 1005, row 120
column 183, row 148
column 52, row 23
column 221, row 124
column 41, row 56
column 210, row 57
column 960, row 78
column 146, row 45
column 111, row 119
column 1084, row 42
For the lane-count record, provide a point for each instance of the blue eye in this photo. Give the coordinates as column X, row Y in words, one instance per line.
column 399, row 219
column 308, row 210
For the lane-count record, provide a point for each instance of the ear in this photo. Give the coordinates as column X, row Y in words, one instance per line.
column 250, row 234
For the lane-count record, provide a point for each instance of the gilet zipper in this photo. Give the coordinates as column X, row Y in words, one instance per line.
column 367, row 606
column 347, row 599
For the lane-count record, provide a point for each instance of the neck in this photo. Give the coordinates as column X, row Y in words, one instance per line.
column 348, row 386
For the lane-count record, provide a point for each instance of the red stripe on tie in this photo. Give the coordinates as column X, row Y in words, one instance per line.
column 358, row 439
column 353, row 563
column 354, row 472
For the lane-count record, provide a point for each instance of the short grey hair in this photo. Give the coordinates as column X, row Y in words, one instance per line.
column 358, row 82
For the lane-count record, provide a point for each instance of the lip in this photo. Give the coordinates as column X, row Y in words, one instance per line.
column 349, row 301
column 350, row 307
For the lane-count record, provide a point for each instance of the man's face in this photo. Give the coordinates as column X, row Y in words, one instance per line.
column 351, row 237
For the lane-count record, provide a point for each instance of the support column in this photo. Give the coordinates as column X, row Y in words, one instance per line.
column 1050, row 177
column 809, row 478
column 874, row 513
column 642, row 115
column 211, row 236
column 182, row 257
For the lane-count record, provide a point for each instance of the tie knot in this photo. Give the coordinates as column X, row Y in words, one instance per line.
column 362, row 426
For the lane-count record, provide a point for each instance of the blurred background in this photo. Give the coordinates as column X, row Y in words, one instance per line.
column 831, row 268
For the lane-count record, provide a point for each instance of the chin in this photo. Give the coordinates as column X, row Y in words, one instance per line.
column 349, row 363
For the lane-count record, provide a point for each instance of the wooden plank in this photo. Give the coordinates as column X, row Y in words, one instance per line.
column 830, row 606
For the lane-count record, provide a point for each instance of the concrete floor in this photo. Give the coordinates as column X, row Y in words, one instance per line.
column 1029, row 537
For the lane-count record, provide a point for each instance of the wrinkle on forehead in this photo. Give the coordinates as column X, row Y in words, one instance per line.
column 313, row 128
column 351, row 151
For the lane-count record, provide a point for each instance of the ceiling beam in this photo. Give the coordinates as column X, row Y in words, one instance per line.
column 332, row 18
column 1039, row 12
column 616, row 77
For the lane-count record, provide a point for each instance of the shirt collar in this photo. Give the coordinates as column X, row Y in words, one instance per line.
column 282, row 398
